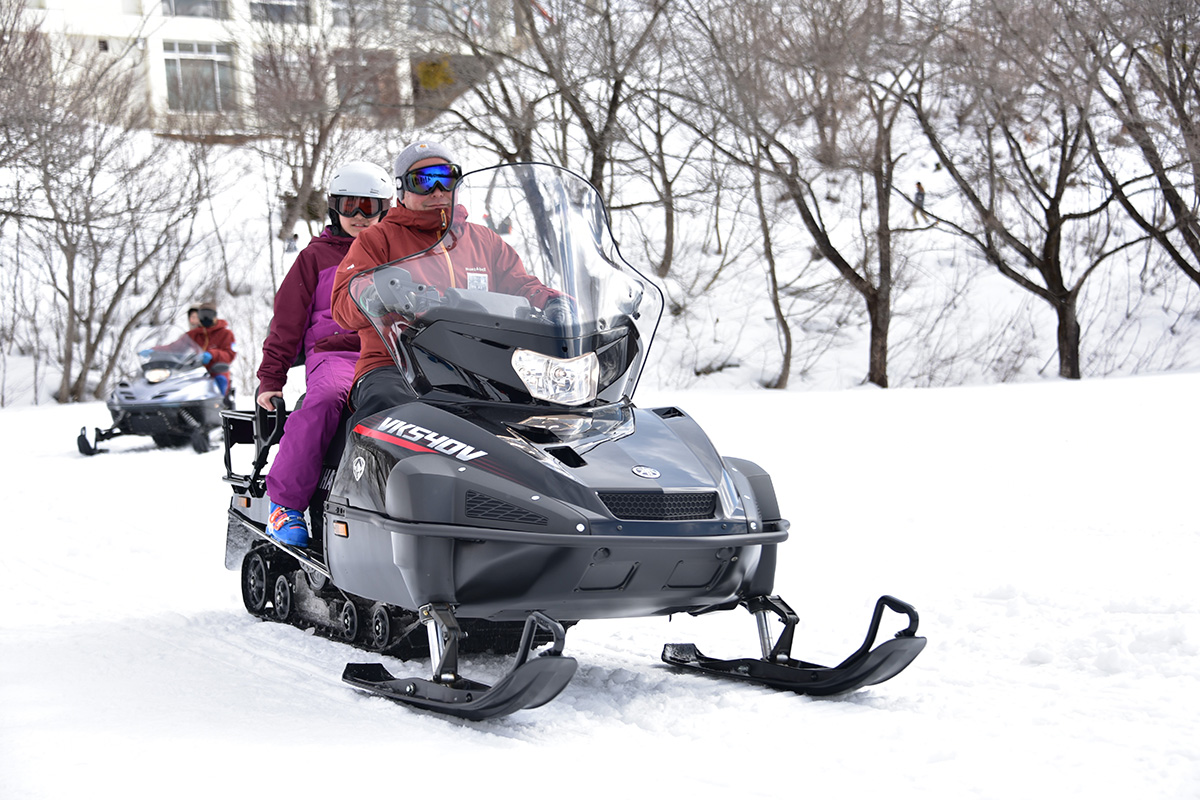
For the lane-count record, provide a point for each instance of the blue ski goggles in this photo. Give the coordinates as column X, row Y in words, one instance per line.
column 426, row 179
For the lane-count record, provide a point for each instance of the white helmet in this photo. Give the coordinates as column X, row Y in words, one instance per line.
column 361, row 179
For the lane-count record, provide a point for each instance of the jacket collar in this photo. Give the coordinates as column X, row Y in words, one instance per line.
column 432, row 220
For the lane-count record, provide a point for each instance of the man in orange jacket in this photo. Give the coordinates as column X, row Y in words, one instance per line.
column 216, row 339
column 475, row 258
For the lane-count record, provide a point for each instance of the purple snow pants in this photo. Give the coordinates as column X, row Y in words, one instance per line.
column 306, row 434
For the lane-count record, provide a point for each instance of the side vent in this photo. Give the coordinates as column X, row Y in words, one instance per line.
column 567, row 456
column 669, row 412
column 481, row 506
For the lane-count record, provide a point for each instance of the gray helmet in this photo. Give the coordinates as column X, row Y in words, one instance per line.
column 418, row 151
column 361, row 179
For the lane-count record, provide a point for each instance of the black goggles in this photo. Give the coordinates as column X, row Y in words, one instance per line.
column 426, row 179
column 348, row 206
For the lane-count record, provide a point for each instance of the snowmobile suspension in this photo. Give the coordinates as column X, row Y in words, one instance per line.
column 445, row 633
column 780, row 651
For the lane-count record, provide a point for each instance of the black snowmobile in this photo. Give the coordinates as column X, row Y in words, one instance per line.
column 520, row 491
column 174, row 401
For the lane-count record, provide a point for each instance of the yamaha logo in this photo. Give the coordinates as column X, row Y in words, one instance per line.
column 360, row 466
column 646, row 472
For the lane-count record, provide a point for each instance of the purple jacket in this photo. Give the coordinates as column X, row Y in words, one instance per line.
column 302, row 318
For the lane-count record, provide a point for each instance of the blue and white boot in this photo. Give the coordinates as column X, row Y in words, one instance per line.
column 287, row 525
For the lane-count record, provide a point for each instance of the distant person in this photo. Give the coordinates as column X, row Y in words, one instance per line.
column 426, row 179
column 216, row 339
column 919, row 203
column 292, row 244
column 358, row 195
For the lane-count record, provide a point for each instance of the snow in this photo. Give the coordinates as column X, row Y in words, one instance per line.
column 1045, row 532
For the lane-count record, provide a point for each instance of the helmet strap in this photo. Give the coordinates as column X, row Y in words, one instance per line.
column 336, row 224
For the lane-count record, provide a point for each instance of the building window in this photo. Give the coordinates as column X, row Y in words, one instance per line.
column 367, row 84
column 444, row 16
column 199, row 76
column 361, row 13
column 293, row 11
column 212, row 9
column 282, row 84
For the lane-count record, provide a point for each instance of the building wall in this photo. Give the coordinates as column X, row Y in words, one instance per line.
column 153, row 37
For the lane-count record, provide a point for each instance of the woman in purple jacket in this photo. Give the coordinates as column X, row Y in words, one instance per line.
column 359, row 194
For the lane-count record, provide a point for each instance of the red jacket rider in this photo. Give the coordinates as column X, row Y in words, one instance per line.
column 214, row 337
column 475, row 258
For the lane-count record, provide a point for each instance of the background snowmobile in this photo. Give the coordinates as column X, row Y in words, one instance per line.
column 174, row 401
column 520, row 491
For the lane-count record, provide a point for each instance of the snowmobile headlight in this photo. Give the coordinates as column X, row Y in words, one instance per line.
column 570, row 381
column 157, row 375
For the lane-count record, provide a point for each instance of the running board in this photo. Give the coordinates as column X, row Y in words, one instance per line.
column 529, row 684
column 778, row 670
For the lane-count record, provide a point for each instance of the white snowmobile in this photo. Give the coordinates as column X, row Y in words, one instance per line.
column 174, row 401
column 520, row 491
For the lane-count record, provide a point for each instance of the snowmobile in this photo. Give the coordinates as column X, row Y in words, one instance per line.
column 174, row 401
column 519, row 491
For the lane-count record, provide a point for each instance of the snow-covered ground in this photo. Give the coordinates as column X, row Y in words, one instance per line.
column 1046, row 532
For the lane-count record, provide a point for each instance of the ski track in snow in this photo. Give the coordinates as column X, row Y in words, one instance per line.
column 1044, row 532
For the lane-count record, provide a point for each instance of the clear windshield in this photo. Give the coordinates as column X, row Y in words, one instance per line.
column 526, row 299
column 179, row 352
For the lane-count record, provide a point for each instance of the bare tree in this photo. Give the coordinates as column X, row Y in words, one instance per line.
column 1148, row 69
column 561, row 88
column 114, row 210
column 314, row 84
column 24, row 63
column 817, row 89
column 1010, row 126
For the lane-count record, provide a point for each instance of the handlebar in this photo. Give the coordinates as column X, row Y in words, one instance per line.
column 263, row 447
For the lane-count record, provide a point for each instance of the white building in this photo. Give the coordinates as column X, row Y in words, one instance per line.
column 205, row 56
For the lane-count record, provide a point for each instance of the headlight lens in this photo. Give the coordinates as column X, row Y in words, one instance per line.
column 569, row 381
column 157, row 375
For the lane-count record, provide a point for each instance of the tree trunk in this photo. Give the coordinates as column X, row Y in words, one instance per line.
column 880, row 313
column 785, row 370
column 1068, row 339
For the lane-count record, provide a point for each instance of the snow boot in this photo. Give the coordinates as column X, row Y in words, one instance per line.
column 287, row 525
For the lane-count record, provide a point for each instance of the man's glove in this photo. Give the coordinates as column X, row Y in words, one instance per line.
column 206, row 357
column 560, row 311
column 370, row 302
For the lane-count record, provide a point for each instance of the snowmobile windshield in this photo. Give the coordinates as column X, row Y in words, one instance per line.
column 178, row 352
column 526, row 300
column 164, row 360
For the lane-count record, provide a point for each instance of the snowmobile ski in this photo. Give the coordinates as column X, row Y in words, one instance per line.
column 778, row 670
column 87, row 448
column 529, row 684
column 533, row 684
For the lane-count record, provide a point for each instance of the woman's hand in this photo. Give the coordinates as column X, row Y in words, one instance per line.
column 264, row 399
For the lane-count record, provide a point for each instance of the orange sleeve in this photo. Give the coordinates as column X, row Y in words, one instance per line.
column 345, row 311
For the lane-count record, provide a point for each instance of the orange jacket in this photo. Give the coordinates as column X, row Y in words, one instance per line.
column 217, row 340
column 475, row 258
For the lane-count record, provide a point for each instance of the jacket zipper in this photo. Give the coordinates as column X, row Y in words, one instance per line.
column 446, row 253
